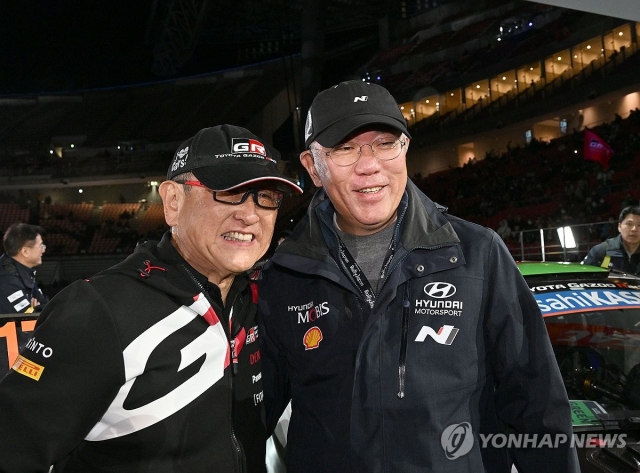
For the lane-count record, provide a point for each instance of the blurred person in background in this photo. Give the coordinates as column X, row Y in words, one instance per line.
column 154, row 364
column 621, row 252
column 23, row 250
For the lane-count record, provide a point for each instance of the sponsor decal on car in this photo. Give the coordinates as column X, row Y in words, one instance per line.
column 559, row 302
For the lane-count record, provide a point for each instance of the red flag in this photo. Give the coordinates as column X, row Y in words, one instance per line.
column 596, row 149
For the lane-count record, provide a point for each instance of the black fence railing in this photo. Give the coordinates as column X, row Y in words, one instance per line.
column 567, row 243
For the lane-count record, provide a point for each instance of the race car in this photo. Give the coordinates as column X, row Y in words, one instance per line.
column 593, row 319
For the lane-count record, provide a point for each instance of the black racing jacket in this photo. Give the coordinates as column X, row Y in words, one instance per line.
column 17, row 286
column 453, row 348
column 138, row 369
column 611, row 254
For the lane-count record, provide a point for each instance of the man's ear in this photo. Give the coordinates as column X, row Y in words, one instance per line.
column 22, row 255
column 307, row 160
column 172, row 196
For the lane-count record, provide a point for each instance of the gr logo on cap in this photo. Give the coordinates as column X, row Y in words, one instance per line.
column 240, row 145
column 225, row 157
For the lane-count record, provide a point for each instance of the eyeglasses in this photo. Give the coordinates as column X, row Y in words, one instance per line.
column 384, row 149
column 42, row 246
column 263, row 198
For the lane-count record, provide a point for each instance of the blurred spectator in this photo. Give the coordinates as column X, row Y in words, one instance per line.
column 504, row 230
column 620, row 252
column 608, row 229
column 600, row 206
column 629, row 201
column 604, row 178
column 23, row 248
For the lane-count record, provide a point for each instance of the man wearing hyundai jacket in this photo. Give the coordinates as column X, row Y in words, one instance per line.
column 154, row 364
column 402, row 334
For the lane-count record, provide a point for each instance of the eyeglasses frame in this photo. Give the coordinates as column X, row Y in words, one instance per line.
column 328, row 153
column 252, row 191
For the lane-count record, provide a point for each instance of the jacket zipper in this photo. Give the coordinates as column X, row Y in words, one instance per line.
column 234, row 439
column 403, row 342
column 406, row 307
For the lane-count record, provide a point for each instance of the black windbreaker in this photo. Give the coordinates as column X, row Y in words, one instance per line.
column 455, row 340
column 133, row 371
column 17, row 287
column 617, row 256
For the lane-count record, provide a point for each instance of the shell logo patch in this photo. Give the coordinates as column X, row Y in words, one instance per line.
column 312, row 338
column 28, row 368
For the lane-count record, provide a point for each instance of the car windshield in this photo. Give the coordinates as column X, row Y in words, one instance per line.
column 598, row 352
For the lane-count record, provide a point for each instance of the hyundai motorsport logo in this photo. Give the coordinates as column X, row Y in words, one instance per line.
column 438, row 302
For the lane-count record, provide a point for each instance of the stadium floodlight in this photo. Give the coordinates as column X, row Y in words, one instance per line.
column 566, row 237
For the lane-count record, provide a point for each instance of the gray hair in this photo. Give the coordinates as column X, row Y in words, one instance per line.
column 320, row 165
column 184, row 177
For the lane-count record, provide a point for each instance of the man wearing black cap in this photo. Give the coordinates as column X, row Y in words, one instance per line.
column 153, row 365
column 402, row 335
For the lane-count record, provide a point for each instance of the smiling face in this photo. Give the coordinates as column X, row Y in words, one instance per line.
column 219, row 240
column 366, row 194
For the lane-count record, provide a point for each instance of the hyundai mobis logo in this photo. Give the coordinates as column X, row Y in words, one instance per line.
column 438, row 300
column 309, row 312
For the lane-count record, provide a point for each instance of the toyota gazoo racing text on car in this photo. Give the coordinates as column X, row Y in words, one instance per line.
column 593, row 319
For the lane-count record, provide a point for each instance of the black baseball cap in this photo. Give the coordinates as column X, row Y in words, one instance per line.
column 340, row 110
column 224, row 157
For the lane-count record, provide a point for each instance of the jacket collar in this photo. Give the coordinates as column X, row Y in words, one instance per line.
column 314, row 235
column 12, row 266
column 160, row 265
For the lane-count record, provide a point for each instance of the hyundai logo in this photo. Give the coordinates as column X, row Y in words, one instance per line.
column 439, row 290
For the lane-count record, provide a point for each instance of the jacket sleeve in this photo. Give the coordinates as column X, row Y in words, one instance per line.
column 62, row 382
column 595, row 255
column 530, row 396
column 275, row 380
column 14, row 297
column 41, row 296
